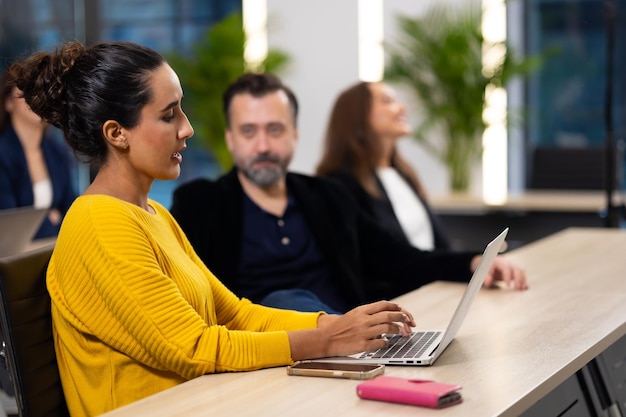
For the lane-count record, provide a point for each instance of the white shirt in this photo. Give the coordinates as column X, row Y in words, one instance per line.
column 42, row 191
column 408, row 208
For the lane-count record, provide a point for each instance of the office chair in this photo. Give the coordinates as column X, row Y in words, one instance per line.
column 568, row 168
column 26, row 324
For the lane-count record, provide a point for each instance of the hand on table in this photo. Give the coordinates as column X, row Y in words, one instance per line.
column 503, row 270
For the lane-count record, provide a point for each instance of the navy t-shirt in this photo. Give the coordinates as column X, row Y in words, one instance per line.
column 281, row 253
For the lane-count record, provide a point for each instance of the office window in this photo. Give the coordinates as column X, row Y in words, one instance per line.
column 566, row 98
column 164, row 25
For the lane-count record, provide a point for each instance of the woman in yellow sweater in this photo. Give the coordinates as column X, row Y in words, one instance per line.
column 134, row 309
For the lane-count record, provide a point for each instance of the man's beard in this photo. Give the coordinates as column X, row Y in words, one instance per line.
column 265, row 176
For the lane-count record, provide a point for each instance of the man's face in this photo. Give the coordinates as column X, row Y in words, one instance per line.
column 262, row 136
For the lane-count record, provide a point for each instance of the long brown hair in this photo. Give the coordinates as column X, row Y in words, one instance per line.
column 351, row 144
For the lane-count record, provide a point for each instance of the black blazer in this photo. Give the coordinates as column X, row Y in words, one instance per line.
column 366, row 262
column 16, row 187
column 387, row 218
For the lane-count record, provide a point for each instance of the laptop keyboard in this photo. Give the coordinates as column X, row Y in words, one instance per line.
column 411, row 346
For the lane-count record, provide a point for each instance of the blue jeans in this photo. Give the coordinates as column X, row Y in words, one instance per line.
column 296, row 299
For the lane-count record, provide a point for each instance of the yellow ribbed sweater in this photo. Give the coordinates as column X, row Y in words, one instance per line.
column 135, row 311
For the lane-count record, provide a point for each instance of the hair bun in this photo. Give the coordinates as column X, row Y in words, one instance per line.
column 42, row 79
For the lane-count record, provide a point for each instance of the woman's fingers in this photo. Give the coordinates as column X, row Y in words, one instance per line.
column 388, row 328
column 411, row 321
column 379, row 306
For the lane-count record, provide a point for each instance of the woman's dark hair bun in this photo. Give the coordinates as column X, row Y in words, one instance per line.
column 42, row 79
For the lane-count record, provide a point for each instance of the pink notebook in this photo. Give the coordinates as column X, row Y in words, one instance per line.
column 410, row 391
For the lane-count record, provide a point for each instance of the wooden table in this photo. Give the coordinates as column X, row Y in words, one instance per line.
column 534, row 200
column 513, row 349
column 469, row 220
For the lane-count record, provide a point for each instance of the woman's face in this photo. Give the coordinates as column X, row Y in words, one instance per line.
column 20, row 113
column 387, row 116
column 154, row 145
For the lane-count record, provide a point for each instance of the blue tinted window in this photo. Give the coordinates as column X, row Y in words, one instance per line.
column 567, row 96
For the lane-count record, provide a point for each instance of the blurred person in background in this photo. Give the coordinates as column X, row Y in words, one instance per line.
column 35, row 168
column 293, row 241
column 360, row 151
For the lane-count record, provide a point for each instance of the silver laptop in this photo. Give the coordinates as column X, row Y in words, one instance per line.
column 423, row 347
column 19, row 226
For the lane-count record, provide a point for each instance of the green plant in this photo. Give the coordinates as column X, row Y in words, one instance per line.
column 215, row 61
column 439, row 57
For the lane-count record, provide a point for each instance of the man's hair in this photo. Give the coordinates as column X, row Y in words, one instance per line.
column 257, row 85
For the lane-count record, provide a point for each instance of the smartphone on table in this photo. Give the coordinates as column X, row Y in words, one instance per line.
column 336, row 370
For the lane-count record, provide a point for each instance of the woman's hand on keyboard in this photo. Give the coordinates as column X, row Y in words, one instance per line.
column 360, row 329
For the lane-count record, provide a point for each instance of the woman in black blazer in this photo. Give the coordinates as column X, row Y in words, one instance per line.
column 35, row 167
column 360, row 151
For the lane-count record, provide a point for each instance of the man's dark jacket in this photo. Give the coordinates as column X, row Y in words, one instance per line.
column 366, row 262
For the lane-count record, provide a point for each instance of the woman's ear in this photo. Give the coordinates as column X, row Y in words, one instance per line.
column 9, row 103
column 113, row 133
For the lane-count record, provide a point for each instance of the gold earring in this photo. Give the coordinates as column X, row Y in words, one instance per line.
column 124, row 145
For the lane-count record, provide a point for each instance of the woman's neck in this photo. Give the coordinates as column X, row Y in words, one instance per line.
column 387, row 152
column 116, row 183
column 30, row 135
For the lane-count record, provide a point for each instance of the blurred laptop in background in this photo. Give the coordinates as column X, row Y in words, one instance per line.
column 18, row 227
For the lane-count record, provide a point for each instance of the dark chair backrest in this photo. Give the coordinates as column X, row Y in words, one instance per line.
column 568, row 169
column 26, row 325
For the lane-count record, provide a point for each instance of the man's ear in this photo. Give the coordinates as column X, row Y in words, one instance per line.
column 114, row 134
column 228, row 135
